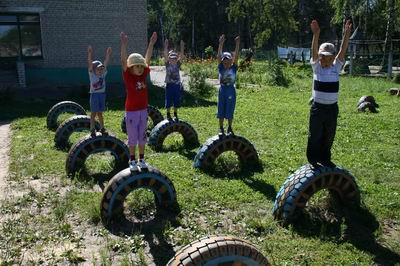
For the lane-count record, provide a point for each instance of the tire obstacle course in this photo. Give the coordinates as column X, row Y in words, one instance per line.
column 62, row 107
column 305, row 182
column 219, row 250
column 88, row 145
column 154, row 114
column 218, row 144
column 118, row 188
column 73, row 124
column 168, row 126
column 367, row 102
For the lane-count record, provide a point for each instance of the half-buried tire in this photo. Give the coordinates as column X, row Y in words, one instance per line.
column 161, row 131
column 154, row 114
column 88, row 145
column 62, row 107
column 219, row 250
column 126, row 181
column 76, row 123
column 216, row 145
column 305, row 182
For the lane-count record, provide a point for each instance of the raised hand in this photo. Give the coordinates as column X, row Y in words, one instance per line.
column 124, row 38
column 347, row 26
column 90, row 49
column 182, row 43
column 237, row 39
column 222, row 39
column 315, row 27
column 153, row 38
column 166, row 43
column 109, row 51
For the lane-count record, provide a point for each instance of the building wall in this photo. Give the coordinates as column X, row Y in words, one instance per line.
column 68, row 27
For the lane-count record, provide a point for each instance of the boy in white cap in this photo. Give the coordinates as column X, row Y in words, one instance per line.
column 173, row 87
column 135, row 71
column 227, row 69
column 97, row 77
column 324, row 110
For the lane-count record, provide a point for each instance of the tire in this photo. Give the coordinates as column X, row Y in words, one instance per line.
column 154, row 114
column 161, row 131
column 88, row 145
column 216, row 145
column 394, row 91
column 369, row 99
column 76, row 123
column 305, row 182
column 124, row 182
column 367, row 105
column 62, row 107
column 219, row 250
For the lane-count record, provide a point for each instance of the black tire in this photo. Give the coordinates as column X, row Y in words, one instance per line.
column 369, row 99
column 88, row 145
column 394, row 91
column 76, row 123
column 305, row 182
column 216, row 145
column 168, row 126
column 62, row 107
column 154, row 114
column 126, row 181
column 367, row 105
column 219, row 250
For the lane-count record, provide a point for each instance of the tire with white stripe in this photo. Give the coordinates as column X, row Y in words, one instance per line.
column 73, row 124
column 305, row 182
column 219, row 250
column 126, row 181
column 154, row 114
column 161, row 131
column 88, row 145
column 219, row 144
column 62, row 107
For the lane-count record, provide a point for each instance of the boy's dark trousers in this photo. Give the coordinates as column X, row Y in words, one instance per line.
column 321, row 133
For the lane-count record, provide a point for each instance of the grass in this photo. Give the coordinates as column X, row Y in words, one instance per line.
column 55, row 219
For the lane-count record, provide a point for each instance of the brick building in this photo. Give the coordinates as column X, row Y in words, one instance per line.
column 44, row 42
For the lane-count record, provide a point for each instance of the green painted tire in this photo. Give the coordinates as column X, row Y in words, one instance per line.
column 76, row 123
column 219, row 250
column 161, row 131
column 305, row 182
column 62, row 107
column 126, row 181
column 88, row 145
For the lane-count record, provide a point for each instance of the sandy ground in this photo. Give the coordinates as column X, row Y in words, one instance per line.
column 4, row 158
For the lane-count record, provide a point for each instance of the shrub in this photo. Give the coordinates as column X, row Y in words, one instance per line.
column 197, row 82
column 277, row 75
column 209, row 51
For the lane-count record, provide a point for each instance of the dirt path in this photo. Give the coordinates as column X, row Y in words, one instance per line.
column 4, row 159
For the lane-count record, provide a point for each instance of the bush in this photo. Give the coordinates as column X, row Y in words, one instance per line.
column 209, row 51
column 197, row 82
column 396, row 78
column 277, row 75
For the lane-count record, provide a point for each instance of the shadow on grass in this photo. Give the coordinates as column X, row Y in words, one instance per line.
column 36, row 102
column 341, row 223
column 153, row 231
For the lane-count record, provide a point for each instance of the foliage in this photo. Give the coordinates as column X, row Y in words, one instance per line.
column 197, row 82
column 396, row 78
column 209, row 51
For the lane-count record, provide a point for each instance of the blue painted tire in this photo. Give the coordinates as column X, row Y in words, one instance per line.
column 154, row 114
column 126, row 181
column 161, row 131
column 216, row 145
column 88, row 145
column 76, row 123
column 219, row 250
column 62, row 107
column 305, row 182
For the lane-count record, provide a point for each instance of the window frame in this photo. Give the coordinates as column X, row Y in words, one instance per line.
column 20, row 23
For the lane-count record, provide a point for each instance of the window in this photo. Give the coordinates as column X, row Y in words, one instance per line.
column 20, row 36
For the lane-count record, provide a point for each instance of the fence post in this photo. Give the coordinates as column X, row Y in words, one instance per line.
column 390, row 62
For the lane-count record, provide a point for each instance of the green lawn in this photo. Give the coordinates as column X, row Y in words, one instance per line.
column 53, row 219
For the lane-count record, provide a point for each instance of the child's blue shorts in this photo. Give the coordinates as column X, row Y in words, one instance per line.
column 173, row 95
column 226, row 102
column 98, row 102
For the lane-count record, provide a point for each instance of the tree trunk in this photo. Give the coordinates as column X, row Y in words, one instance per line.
column 388, row 39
